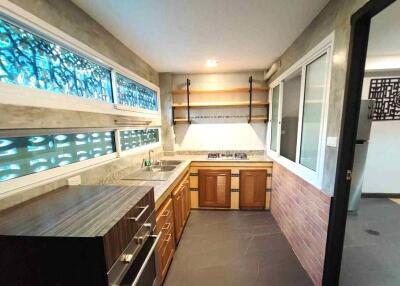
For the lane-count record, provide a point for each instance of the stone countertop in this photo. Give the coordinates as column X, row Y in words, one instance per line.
column 160, row 187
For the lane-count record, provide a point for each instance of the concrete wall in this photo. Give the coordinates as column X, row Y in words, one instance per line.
column 383, row 155
column 209, row 134
column 334, row 17
column 168, row 135
column 67, row 17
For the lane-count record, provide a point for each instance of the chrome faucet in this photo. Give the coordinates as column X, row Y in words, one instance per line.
column 148, row 162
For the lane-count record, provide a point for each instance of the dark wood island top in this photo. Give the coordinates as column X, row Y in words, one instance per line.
column 73, row 211
column 75, row 235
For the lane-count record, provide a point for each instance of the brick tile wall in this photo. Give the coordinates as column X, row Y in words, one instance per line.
column 302, row 212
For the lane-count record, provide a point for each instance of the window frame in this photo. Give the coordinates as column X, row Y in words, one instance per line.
column 313, row 177
column 33, row 180
column 30, row 181
column 22, row 95
column 138, row 149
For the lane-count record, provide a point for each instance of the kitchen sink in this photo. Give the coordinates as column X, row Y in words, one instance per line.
column 167, row 163
column 158, row 172
column 161, row 168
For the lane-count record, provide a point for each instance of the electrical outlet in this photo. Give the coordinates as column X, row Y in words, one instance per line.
column 74, row 181
column 331, row 142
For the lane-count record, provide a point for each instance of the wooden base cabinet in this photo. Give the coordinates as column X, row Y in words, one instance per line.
column 181, row 203
column 179, row 208
column 166, row 245
column 171, row 218
column 252, row 189
column 214, row 188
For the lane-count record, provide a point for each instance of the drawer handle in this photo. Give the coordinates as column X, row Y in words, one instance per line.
column 167, row 227
column 166, row 213
column 144, row 209
column 168, row 239
column 147, row 259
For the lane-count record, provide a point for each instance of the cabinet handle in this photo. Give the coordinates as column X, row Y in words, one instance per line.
column 144, row 209
column 166, row 227
column 166, row 213
column 168, row 239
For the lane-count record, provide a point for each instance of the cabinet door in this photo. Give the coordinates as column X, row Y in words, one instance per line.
column 252, row 189
column 166, row 244
column 215, row 188
column 188, row 200
column 184, row 204
column 178, row 209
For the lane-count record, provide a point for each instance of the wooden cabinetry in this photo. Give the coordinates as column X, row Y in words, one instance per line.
column 252, row 189
column 215, row 188
column 171, row 218
column 188, row 197
column 166, row 245
column 179, row 209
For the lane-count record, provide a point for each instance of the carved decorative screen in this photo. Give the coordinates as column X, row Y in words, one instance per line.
column 385, row 93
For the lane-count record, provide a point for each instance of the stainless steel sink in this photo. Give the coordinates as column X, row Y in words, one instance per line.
column 162, row 168
column 156, row 173
column 170, row 162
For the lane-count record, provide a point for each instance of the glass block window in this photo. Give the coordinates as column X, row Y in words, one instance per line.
column 131, row 139
column 135, row 94
column 29, row 60
column 20, row 156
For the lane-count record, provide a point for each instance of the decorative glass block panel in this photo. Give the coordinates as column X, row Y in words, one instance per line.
column 20, row 156
column 134, row 94
column 29, row 60
column 131, row 139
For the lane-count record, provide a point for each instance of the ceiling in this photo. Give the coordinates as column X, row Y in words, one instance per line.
column 180, row 36
column 384, row 40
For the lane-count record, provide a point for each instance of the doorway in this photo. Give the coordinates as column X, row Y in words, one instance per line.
column 346, row 172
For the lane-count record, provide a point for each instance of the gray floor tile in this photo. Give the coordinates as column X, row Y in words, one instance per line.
column 234, row 248
column 372, row 259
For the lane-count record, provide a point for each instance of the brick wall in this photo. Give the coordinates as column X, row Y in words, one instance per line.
column 302, row 212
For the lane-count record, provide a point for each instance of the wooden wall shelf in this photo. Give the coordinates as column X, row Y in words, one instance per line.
column 219, row 91
column 240, row 104
column 221, row 104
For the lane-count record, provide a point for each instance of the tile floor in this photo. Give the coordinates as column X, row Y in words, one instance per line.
column 371, row 255
column 234, row 248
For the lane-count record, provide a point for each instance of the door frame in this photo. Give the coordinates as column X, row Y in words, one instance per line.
column 360, row 24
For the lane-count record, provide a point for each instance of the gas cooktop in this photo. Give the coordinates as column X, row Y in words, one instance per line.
column 227, row 156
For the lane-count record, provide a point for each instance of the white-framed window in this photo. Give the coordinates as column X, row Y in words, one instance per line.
column 299, row 113
column 44, row 67
column 135, row 140
column 36, row 157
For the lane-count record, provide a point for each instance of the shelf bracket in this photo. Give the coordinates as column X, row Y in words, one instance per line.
column 173, row 116
column 188, row 99
column 251, row 97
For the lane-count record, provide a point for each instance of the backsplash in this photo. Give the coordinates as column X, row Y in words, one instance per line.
column 213, row 128
column 98, row 175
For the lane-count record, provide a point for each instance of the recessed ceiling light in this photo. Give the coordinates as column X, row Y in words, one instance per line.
column 211, row 63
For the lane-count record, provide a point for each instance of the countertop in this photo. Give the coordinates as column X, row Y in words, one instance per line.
column 160, row 187
column 71, row 211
